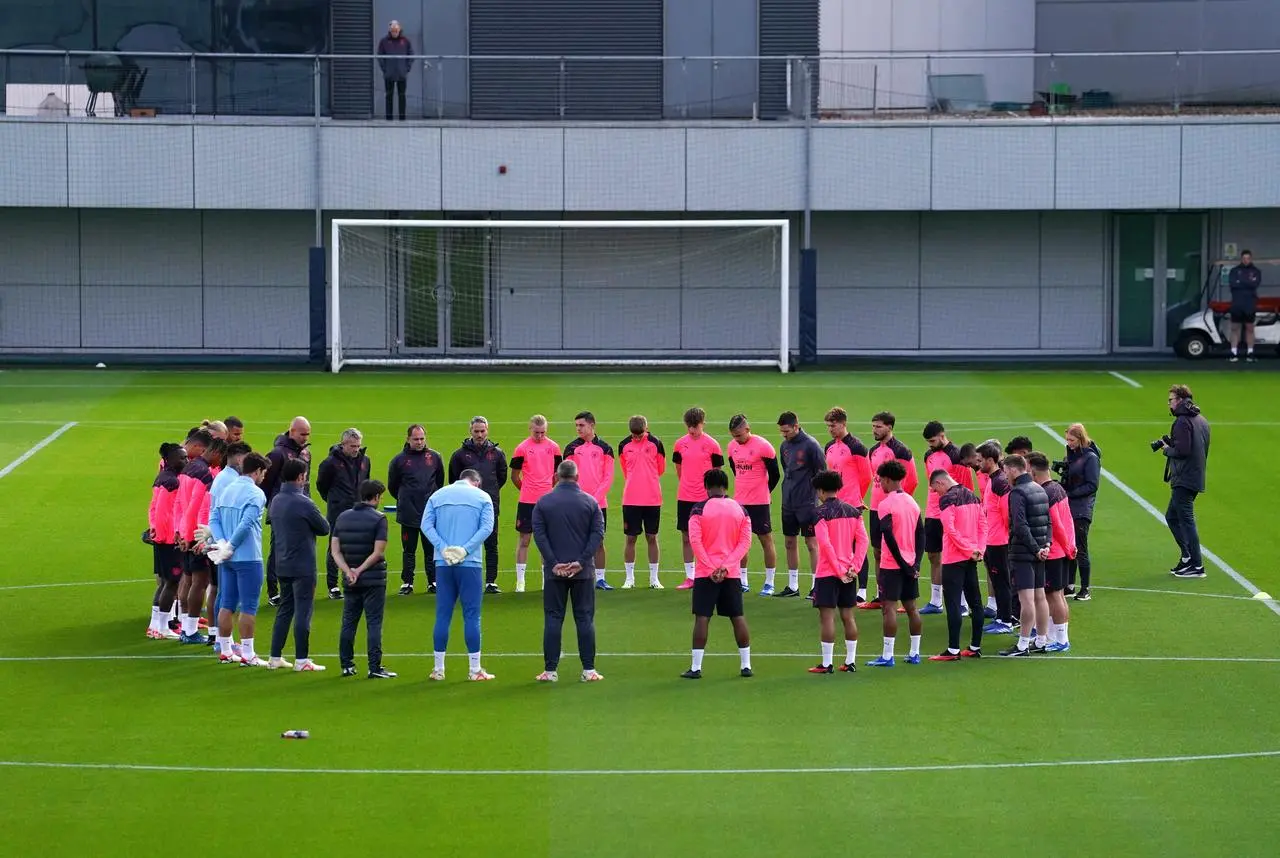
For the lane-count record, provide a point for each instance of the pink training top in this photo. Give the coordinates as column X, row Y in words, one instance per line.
column 720, row 534
column 536, row 461
column 693, row 457
column 164, row 493
column 964, row 527
column 904, row 513
column 1063, row 529
column 946, row 459
column 842, row 540
column 750, row 471
column 207, row 500
column 595, row 467
column 850, row 459
column 995, row 507
column 193, row 485
column 883, row 452
column 643, row 462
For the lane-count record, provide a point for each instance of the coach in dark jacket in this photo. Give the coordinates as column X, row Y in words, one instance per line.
column 1186, row 450
column 1029, row 527
column 1081, row 480
column 487, row 459
column 359, row 545
column 412, row 477
column 296, row 522
column 291, row 445
column 338, row 483
column 394, row 57
column 568, row 528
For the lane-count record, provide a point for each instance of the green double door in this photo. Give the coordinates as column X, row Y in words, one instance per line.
column 442, row 274
column 1159, row 269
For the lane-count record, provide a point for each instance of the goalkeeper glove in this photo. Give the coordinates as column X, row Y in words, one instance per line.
column 221, row 552
column 454, row 555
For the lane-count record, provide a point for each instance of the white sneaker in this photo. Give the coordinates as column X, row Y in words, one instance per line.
column 277, row 663
column 629, row 584
column 306, row 664
column 480, row 676
column 656, row 585
column 436, row 676
column 591, row 676
column 167, row 634
column 253, row 661
column 547, row 676
column 520, row 587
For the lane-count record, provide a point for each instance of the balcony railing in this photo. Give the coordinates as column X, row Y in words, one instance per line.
column 836, row 86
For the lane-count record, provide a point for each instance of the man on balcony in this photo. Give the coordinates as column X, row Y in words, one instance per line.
column 395, row 57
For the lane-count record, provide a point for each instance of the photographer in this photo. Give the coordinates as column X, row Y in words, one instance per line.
column 1186, row 450
column 1080, row 473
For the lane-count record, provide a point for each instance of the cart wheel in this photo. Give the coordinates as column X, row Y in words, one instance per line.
column 1193, row 346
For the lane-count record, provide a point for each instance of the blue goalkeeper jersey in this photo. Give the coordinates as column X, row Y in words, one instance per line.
column 236, row 516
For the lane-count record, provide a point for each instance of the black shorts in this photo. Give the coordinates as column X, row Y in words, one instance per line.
column 637, row 518
column 1026, row 576
column 761, row 515
column 932, row 535
column 1242, row 316
column 167, row 562
column 1055, row 575
column 831, row 592
column 196, row 564
column 724, row 598
column 604, row 516
column 683, row 510
column 873, row 528
column 524, row 517
column 996, row 559
column 799, row 522
column 899, row 586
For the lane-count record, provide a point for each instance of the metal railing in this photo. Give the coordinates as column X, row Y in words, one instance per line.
column 629, row 87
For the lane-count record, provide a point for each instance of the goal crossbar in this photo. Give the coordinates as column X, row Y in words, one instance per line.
column 338, row 360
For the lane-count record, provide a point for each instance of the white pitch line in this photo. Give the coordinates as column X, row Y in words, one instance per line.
column 1191, row 593
column 1125, row 379
column 45, row 442
column 823, row 770
column 1249, row 586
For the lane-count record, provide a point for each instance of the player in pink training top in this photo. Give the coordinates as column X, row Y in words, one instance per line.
column 849, row 457
column 755, row 475
column 693, row 455
column 942, row 455
column 595, row 474
column 643, row 461
column 1062, row 548
column 994, row 486
column 533, row 471
column 720, row 533
column 842, row 549
column 902, row 538
column 162, row 532
column 964, row 534
column 888, row 448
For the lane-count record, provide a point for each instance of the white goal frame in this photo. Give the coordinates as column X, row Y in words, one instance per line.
column 337, row 361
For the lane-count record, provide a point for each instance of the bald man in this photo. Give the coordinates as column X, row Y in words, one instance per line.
column 293, row 444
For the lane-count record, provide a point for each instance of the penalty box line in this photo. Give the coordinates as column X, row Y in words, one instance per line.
column 40, row 445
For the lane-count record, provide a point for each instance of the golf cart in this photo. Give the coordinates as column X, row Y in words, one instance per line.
column 1208, row 329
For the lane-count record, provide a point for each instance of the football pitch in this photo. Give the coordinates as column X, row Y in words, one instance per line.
column 1158, row 734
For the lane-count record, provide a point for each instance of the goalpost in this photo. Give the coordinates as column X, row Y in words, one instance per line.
column 560, row 293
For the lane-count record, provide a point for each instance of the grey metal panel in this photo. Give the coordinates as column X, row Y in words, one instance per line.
column 861, row 168
column 1073, row 250
column 574, row 88
column 39, row 317
column 40, row 279
column 1118, row 167
column 730, row 295
column 993, row 168
column 1252, row 229
column 445, row 83
column 367, row 284
column 745, row 169
column 614, row 169
column 129, row 164
column 622, row 289
column 35, row 163
column 142, row 248
column 788, row 28
column 978, row 249
column 687, row 32
column 380, row 168
column 735, row 83
column 886, row 319
column 534, row 158
column 255, row 167
column 351, row 32
column 953, row 318
column 256, row 249
column 1074, row 318
column 1230, row 166
column 282, row 313
column 528, row 278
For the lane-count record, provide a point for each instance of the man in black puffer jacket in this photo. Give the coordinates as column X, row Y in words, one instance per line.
column 482, row 455
column 338, row 483
column 359, row 548
column 1029, row 538
column 413, row 477
column 1186, row 450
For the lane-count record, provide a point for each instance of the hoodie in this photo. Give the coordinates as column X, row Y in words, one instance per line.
column 284, row 449
column 1084, row 471
column 488, row 460
column 339, row 478
column 412, row 477
column 1187, row 458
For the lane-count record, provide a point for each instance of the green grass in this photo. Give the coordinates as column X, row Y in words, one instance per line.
column 72, row 513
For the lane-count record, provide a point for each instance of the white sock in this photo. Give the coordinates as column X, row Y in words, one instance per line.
column 1233, row 351
column 862, row 593
column 1023, row 642
column 915, row 645
column 520, row 567
column 828, row 652
column 697, row 658
column 599, row 574
column 1042, row 640
column 246, row 649
column 224, row 645
column 769, row 575
column 631, row 571
column 964, row 603
column 793, row 579
column 888, row 647
column 688, row 570
column 189, row 625
column 473, row 659
column 1062, row 634
column 991, row 602
column 155, row 618
column 653, row 573
column 935, row 594
column 744, row 657
column 439, row 661
column 850, row 651
column 743, row 582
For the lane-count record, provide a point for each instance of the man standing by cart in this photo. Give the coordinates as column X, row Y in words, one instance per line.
column 1245, row 280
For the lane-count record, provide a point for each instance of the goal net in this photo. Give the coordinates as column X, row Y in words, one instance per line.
column 559, row 293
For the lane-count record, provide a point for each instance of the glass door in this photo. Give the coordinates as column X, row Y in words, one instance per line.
column 466, row 304
column 422, row 318
column 1184, row 270
column 1159, row 267
column 1135, row 281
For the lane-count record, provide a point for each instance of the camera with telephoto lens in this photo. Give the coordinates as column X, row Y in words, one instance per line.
column 1163, row 441
column 1060, row 467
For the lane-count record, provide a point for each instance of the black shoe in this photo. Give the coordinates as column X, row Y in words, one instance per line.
column 746, row 673
column 691, row 674
column 431, row 589
column 1190, row 572
column 1084, row 595
column 349, row 671
column 1184, row 563
column 788, row 593
column 335, row 593
column 275, row 600
column 858, row 600
column 810, row 595
column 1036, row 649
column 492, row 589
column 405, row 590
column 379, row 673
column 1014, row 652
column 849, row 667
column 823, row 668
column 1068, row 591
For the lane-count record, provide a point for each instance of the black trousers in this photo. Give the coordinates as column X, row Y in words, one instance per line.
column 393, row 87
column 960, row 578
column 1081, row 560
column 330, row 565
column 409, row 538
column 273, row 583
column 864, row 574
column 297, row 603
column 491, row 553
column 369, row 601
column 556, row 594
column 997, row 563
column 1181, row 518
